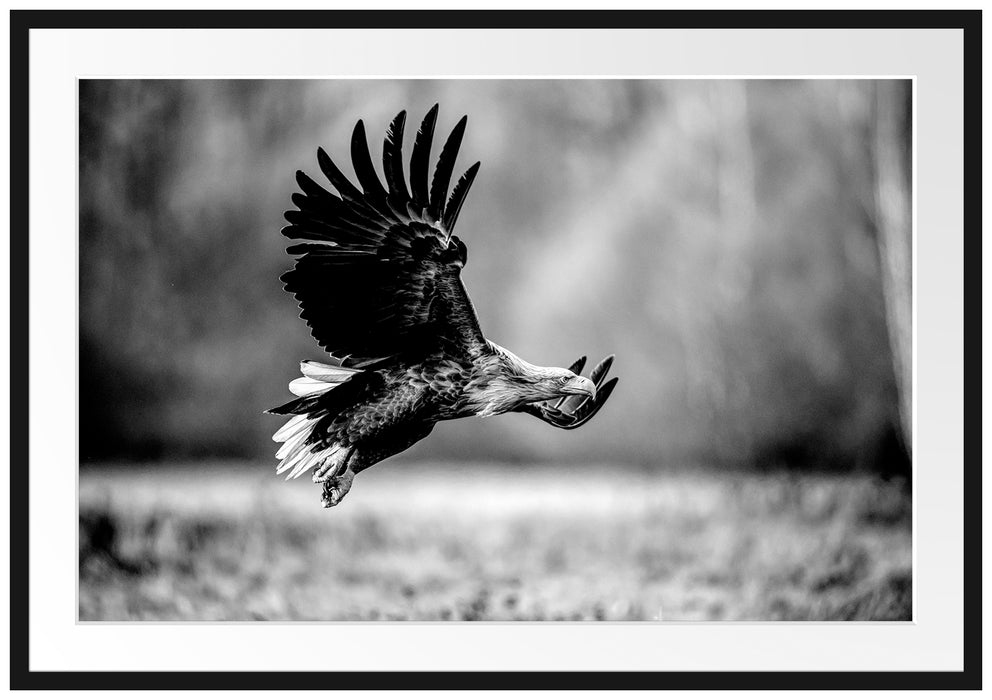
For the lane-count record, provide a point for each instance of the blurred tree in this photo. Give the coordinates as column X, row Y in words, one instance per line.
column 893, row 202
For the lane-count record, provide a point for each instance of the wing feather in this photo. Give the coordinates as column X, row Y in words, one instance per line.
column 378, row 272
column 445, row 166
column 336, row 177
column 364, row 170
column 392, row 161
column 420, row 160
column 458, row 195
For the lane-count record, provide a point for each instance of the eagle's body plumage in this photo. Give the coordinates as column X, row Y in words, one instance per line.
column 378, row 281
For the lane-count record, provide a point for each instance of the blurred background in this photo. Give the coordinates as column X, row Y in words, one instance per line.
column 743, row 247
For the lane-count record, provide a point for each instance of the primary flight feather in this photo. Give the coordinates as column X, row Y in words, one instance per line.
column 378, row 281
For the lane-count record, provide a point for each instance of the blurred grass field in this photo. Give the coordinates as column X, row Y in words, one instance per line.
column 416, row 541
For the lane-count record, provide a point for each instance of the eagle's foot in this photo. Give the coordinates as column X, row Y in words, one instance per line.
column 325, row 472
column 335, row 488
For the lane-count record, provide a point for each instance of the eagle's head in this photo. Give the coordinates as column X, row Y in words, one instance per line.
column 515, row 382
column 552, row 383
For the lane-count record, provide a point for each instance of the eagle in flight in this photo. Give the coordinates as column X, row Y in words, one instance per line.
column 378, row 280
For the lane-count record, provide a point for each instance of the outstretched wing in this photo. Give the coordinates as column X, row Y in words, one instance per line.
column 574, row 411
column 379, row 268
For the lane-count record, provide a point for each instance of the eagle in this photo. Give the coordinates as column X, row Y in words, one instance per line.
column 377, row 277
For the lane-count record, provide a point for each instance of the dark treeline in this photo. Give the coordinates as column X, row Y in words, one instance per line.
column 721, row 237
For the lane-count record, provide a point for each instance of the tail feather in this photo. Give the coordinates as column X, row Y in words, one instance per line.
column 289, row 428
column 318, row 378
column 305, row 386
column 331, row 374
column 292, row 462
column 295, row 442
column 299, row 452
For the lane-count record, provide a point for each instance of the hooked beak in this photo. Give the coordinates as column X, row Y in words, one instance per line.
column 580, row 386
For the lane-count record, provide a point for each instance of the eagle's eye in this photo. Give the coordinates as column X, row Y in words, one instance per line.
column 563, row 380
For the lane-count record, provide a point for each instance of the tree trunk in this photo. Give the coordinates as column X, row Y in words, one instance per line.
column 893, row 204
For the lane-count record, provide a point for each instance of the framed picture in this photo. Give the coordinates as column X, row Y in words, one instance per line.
column 707, row 314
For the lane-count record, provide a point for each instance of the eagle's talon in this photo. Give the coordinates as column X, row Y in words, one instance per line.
column 336, row 488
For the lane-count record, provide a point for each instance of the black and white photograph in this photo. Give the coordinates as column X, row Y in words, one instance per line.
column 495, row 350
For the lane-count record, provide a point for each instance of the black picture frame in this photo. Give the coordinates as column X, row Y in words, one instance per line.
column 21, row 22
